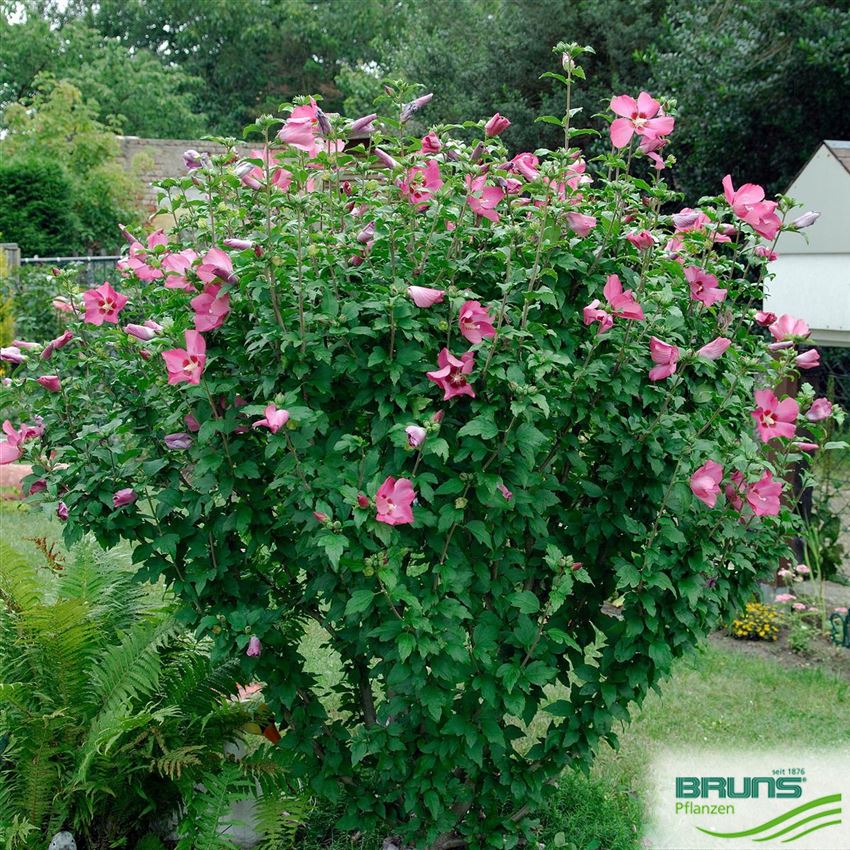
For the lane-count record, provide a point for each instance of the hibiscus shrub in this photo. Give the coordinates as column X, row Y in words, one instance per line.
column 484, row 424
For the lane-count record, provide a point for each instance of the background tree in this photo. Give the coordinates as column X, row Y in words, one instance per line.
column 761, row 83
column 131, row 89
column 57, row 134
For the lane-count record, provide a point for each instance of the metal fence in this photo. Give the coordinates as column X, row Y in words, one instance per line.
column 831, row 490
column 93, row 270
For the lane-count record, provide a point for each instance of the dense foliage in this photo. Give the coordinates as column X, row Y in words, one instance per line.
column 80, row 188
column 112, row 715
column 487, row 421
column 36, row 207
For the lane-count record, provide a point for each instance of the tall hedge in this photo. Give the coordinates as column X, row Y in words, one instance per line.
column 36, row 207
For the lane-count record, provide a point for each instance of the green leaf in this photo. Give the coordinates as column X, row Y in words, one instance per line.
column 406, row 644
column 482, row 426
column 525, row 600
column 359, row 601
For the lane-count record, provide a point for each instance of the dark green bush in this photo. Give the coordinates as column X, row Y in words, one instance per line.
column 36, row 207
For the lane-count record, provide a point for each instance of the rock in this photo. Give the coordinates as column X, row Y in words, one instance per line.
column 62, row 841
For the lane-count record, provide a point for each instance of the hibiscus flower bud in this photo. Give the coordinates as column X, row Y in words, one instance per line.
column 438, row 416
column 415, row 435
column 496, row 125
column 821, row 409
column 255, row 648
column 178, row 440
column 764, row 319
column 362, row 501
column 140, row 332
column 363, row 125
column 321, row 517
column 50, row 383
column 683, row 220
column 124, row 497
column 805, row 220
column 385, row 158
column 461, row 503
column 239, row 244
column 367, row 234
column 505, row 492
column 641, row 239
column 62, row 511
column 766, row 253
column 55, row 271
column 192, row 159
column 12, row 354
column 324, row 123
column 409, row 109
column 809, row 359
column 477, row 153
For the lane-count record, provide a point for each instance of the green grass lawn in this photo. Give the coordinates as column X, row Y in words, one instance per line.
column 716, row 698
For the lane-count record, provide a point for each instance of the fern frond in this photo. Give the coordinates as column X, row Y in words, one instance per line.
column 58, row 642
column 206, row 818
column 20, row 584
column 174, row 762
column 279, row 818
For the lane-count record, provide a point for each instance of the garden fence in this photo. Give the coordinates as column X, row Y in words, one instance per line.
column 93, row 270
column 831, row 491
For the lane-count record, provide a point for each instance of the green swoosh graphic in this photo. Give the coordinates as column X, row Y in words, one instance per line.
column 831, row 798
column 794, row 826
column 813, row 829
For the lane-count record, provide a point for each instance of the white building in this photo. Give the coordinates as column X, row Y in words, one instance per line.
column 813, row 270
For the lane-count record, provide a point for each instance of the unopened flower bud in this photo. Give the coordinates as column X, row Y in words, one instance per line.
column 324, row 123
column 805, row 220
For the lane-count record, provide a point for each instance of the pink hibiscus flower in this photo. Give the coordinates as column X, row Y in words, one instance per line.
column 103, row 305
column 483, row 199
column 639, row 116
column 526, row 165
column 775, row 418
column 211, row 307
column 394, row 501
column 186, row 364
column 451, row 376
column 424, row 297
column 749, row 205
column 475, row 322
column 665, row 356
column 623, row 303
column 705, row 482
column 274, row 419
column 787, row 327
column 580, row 223
column 420, row 183
column 176, row 266
column 216, row 265
column 764, row 495
column 821, row 409
column 704, row 286
column 714, row 349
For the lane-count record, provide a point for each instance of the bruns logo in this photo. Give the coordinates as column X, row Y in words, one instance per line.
column 732, row 788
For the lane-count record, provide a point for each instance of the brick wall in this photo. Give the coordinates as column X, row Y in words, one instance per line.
column 157, row 159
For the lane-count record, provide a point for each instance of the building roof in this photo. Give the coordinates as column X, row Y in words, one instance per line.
column 841, row 151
